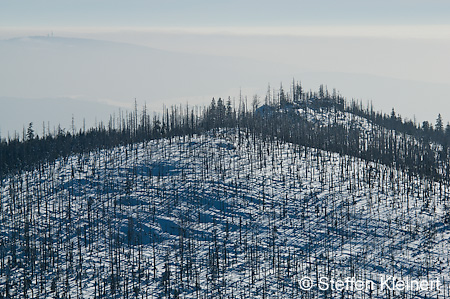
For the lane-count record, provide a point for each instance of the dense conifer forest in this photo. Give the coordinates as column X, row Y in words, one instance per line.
column 239, row 199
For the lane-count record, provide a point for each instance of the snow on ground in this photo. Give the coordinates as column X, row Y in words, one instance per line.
column 224, row 214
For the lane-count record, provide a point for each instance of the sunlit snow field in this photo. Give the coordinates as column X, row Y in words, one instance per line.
column 225, row 214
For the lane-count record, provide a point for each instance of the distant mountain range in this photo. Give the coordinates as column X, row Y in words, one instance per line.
column 39, row 71
column 38, row 67
column 46, row 69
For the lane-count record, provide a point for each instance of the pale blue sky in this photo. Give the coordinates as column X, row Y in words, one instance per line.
column 222, row 13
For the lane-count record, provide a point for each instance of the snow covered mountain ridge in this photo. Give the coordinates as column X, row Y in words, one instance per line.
column 223, row 214
column 230, row 203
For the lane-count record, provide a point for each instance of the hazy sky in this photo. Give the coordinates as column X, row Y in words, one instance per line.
column 394, row 53
column 222, row 13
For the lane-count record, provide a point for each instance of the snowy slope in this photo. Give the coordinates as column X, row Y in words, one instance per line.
column 225, row 214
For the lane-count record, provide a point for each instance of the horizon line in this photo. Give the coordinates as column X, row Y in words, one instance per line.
column 364, row 31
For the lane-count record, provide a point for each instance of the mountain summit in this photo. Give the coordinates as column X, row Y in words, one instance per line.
column 306, row 196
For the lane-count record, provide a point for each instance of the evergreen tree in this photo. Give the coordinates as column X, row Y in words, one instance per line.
column 439, row 124
column 30, row 131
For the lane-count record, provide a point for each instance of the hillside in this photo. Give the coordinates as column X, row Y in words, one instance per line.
column 223, row 214
column 300, row 197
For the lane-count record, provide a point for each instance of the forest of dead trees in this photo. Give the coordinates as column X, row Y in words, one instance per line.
column 387, row 140
column 226, row 201
column 221, row 215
